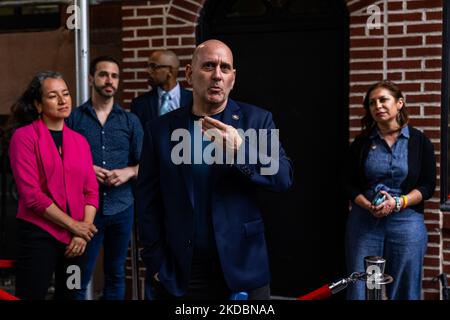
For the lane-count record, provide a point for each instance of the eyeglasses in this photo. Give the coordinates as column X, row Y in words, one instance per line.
column 154, row 66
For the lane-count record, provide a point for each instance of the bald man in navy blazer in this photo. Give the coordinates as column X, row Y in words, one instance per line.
column 200, row 225
column 163, row 68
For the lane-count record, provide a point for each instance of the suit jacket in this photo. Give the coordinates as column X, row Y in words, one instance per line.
column 165, row 205
column 146, row 106
column 43, row 177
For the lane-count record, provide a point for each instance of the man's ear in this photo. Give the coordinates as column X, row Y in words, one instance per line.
column 91, row 80
column 234, row 79
column 188, row 71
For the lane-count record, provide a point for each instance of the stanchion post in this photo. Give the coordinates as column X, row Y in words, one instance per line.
column 376, row 279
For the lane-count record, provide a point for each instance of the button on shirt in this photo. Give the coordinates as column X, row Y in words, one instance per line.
column 385, row 165
column 115, row 145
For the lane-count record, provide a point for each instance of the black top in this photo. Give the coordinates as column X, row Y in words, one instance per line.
column 421, row 167
column 204, row 241
column 57, row 137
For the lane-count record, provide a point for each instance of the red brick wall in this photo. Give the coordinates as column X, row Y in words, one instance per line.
column 406, row 49
column 150, row 25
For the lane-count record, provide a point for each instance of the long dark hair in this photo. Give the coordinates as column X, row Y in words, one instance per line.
column 367, row 122
column 23, row 111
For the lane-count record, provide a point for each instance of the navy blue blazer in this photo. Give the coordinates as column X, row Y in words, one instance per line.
column 146, row 105
column 165, row 205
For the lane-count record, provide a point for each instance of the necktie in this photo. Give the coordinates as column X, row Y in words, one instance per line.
column 165, row 105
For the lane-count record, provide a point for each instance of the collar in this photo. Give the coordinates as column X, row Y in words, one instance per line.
column 175, row 92
column 231, row 114
column 376, row 133
column 87, row 106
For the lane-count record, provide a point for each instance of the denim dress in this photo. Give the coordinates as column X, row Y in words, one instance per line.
column 401, row 237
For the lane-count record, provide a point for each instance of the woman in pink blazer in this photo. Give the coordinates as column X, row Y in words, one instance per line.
column 58, row 190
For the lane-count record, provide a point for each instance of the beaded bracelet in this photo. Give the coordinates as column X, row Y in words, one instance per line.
column 397, row 204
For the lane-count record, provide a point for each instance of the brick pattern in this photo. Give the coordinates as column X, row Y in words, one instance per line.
column 151, row 25
column 407, row 49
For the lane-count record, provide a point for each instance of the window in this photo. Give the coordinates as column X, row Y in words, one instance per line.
column 249, row 8
column 267, row 15
column 29, row 17
column 256, row 8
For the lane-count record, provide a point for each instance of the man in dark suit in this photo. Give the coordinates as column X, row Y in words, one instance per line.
column 200, row 225
column 166, row 95
column 163, row 68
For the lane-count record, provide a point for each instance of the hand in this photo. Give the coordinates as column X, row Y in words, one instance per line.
column 228, row 135
column 76, row 247
column 117, row 177
column 385, row 208
column 101, row 174
column 83, row 229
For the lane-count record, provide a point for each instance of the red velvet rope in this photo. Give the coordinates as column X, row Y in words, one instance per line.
column 6, row 296
column 318, row 294
column 6, row 264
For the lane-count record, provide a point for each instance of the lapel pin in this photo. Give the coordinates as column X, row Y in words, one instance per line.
column 235, row 117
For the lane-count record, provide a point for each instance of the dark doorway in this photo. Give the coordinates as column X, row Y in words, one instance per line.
column 291, row 58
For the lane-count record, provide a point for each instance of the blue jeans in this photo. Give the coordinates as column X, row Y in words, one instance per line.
column 114, row 233
column 401, row 238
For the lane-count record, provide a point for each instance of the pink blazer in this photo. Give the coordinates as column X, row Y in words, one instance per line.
column 43, row 177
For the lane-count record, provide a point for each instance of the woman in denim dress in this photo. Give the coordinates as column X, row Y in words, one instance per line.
column 396, row 160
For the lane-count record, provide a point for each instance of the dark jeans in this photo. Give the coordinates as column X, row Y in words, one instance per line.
column 207, row 283
column 39, row 256
column 114, row 233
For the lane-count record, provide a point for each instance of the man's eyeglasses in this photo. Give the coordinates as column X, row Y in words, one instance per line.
column 154, row 66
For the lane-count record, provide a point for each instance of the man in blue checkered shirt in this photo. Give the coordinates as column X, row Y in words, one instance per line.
column 115, row 137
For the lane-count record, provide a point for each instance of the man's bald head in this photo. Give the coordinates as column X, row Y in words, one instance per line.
column 165, row 57
column 211, row 76
column 212, row 44
column 163, row 69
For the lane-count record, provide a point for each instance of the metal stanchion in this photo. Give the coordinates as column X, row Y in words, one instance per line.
column 376, row 279
column 134, row 263
column 82, row 72
column 445, row 287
